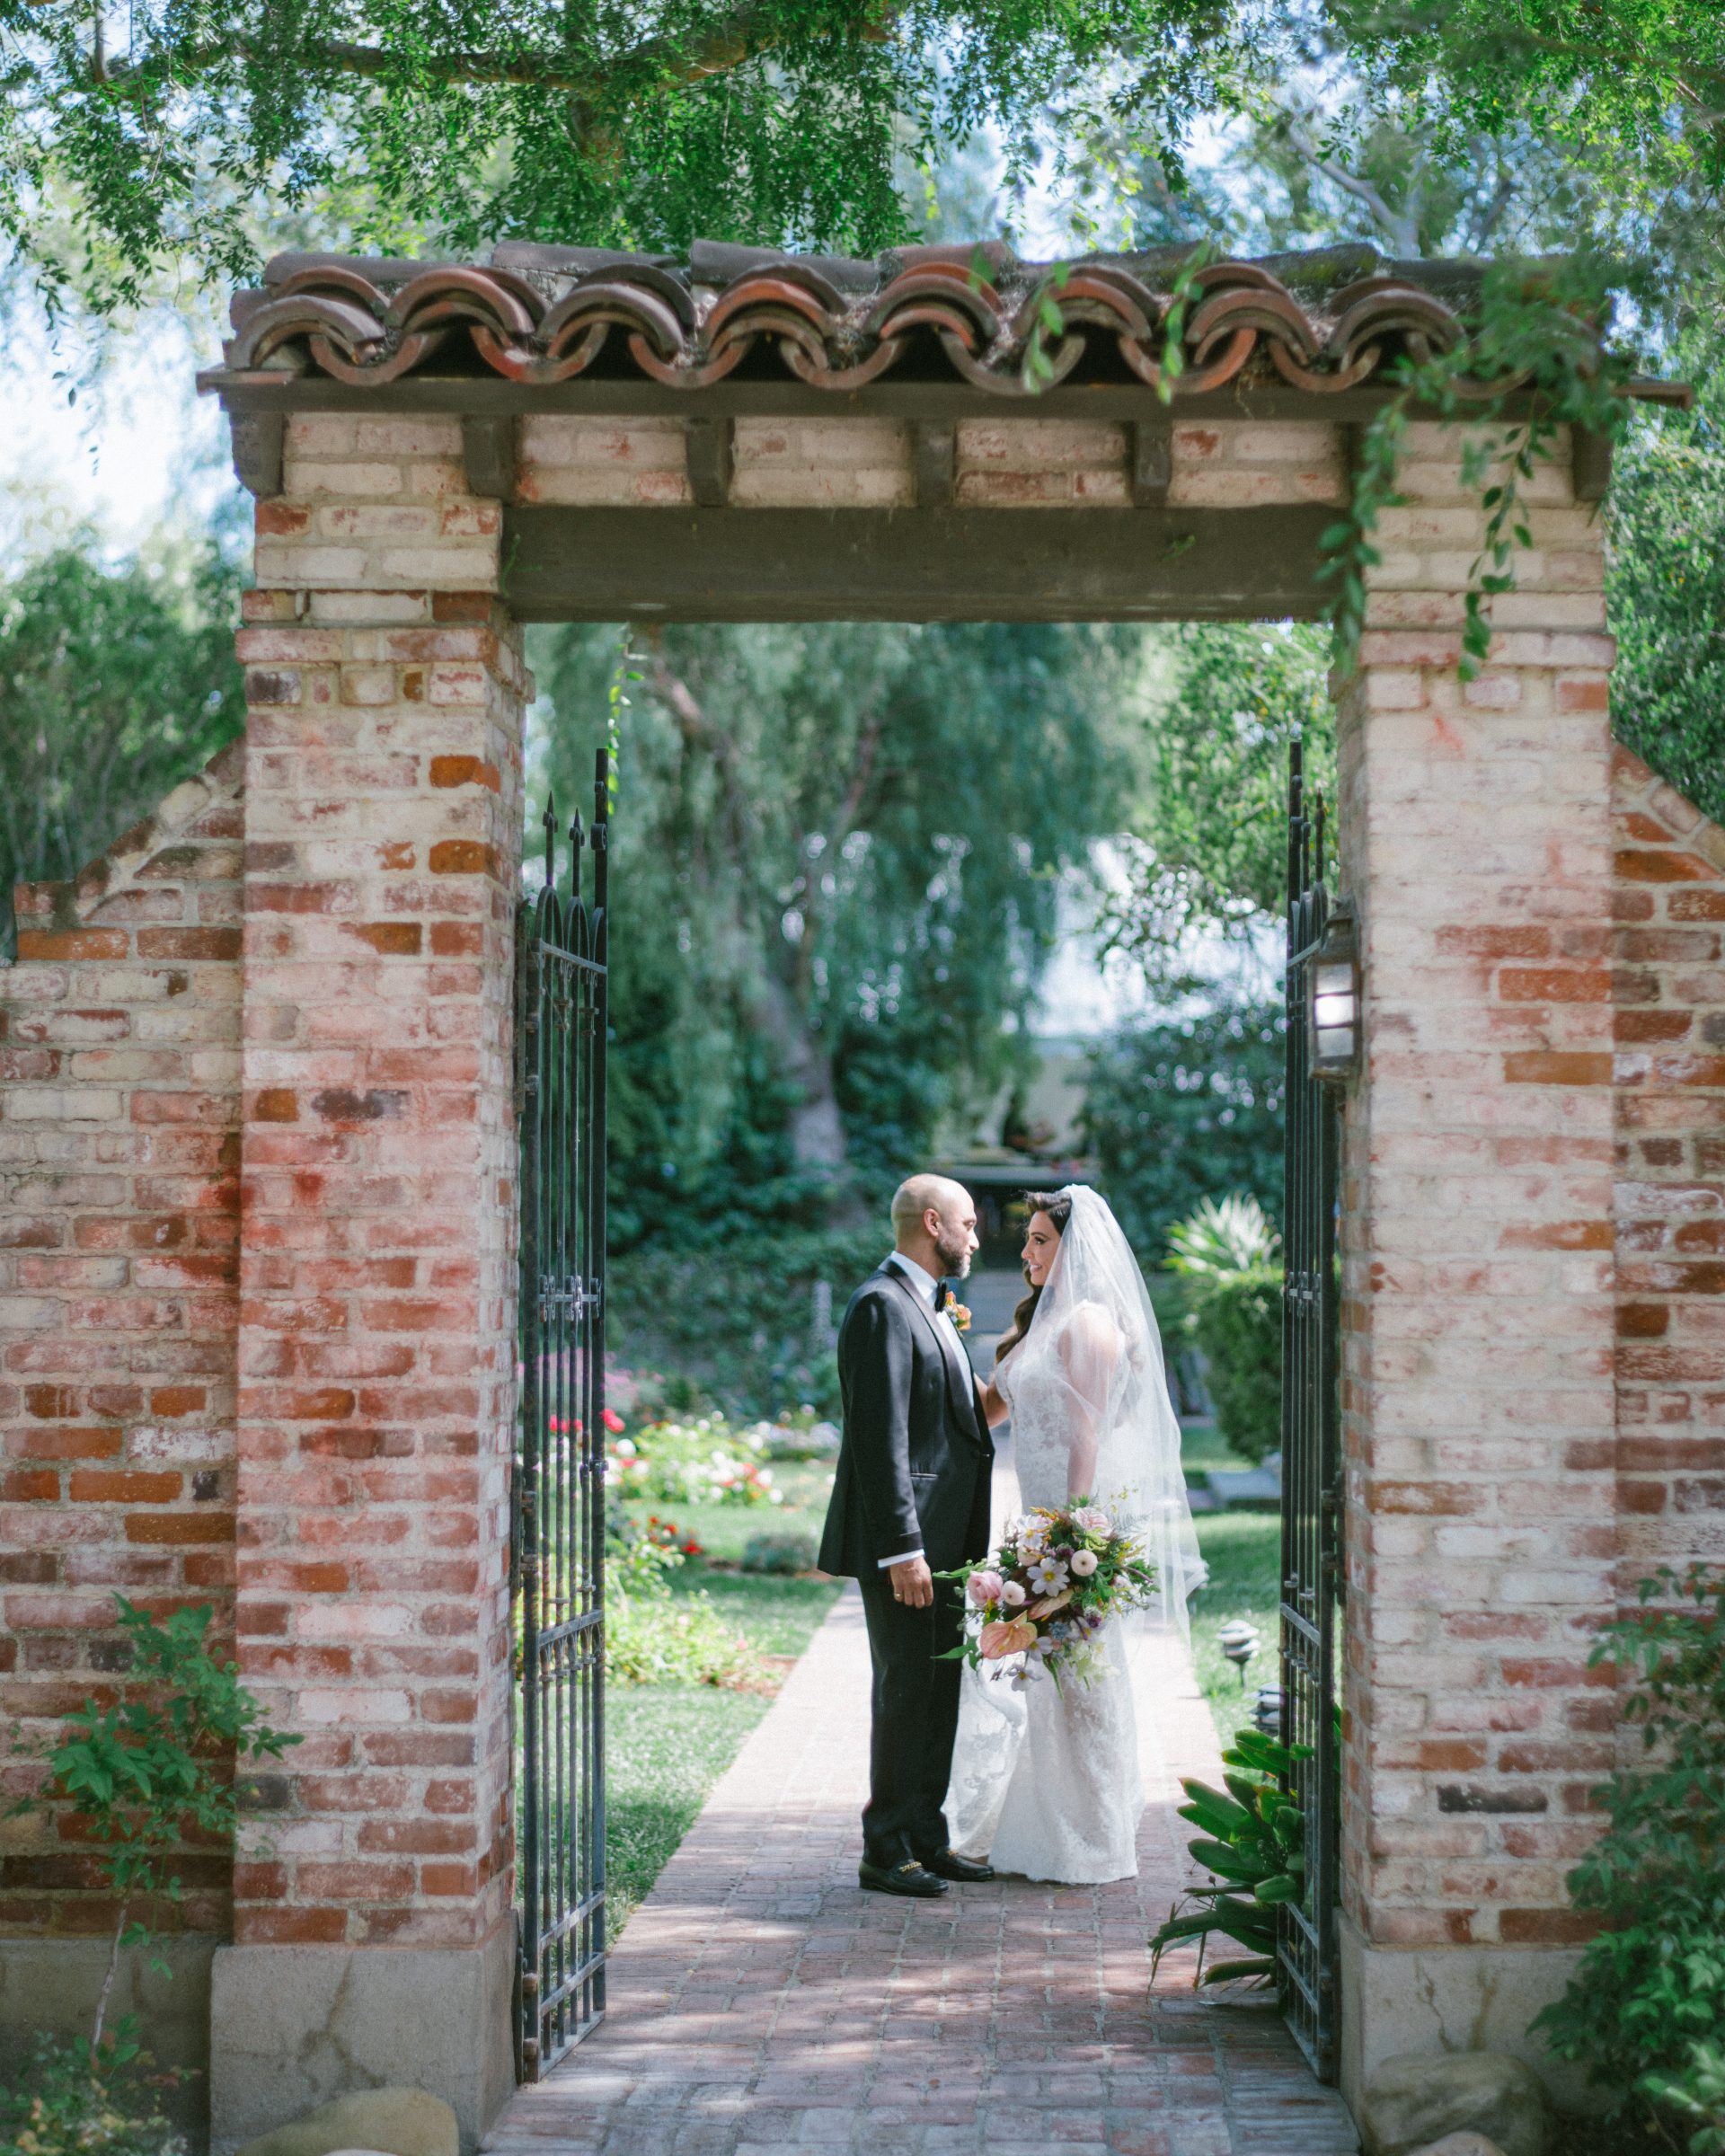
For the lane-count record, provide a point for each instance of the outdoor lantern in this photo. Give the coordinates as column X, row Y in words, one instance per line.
column 1332, row 988
column 1239, row 1642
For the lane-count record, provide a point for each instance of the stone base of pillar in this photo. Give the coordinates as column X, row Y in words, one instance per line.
column 1436, row 1999
column 49, row 1987
column 290, row 2027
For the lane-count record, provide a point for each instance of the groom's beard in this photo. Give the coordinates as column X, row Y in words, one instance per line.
column 955, row 1260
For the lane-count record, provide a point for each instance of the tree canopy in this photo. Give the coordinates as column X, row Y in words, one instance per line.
column 836, row 862
column 176, row 133
column 115, row 682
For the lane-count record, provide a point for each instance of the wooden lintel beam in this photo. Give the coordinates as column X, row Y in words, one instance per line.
column 910, row 565
column 710, row 447
column 259, row 441
column 488, row 452
column 1590, row 463
column 1152, row 462
column 934, row 455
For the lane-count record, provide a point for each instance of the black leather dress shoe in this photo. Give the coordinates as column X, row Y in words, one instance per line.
column 948, row 1864
column 908, row 1877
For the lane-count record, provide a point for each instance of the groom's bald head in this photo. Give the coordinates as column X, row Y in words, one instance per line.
column 934, row 1221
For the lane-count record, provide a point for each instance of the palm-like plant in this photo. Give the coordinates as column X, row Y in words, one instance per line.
column 1231, row 1237
column 1251, row 1839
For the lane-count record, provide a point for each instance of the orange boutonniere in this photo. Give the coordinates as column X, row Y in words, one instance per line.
column 959, row 1315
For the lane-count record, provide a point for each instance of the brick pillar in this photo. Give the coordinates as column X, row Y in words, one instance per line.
column 372, row 1936
column 1478, row 1410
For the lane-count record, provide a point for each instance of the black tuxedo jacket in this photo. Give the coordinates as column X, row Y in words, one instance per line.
column 914, row 1465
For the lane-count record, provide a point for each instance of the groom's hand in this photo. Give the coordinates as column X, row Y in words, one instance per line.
column 912, row 1583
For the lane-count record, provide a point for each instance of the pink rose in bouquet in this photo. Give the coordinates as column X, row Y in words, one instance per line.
column 983, row 1587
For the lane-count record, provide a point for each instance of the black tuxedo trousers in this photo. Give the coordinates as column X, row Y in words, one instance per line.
column 914, row 1471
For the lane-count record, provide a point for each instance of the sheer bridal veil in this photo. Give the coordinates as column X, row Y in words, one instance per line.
column 1090, row 1416
column 1093, row 1359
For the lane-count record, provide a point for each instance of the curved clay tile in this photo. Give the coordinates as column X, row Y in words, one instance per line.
column 541, row 314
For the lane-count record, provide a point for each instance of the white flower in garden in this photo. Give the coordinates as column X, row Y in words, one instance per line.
column 1084, row 1562
column 1049, row 1576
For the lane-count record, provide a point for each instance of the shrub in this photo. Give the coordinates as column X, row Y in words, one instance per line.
column 162, row 1760
column 786, row 1553
column 1225, row 1257
column 654, row 1637
column 74, row 2101
column 742, row 1323
column 1236, row 1324
column 1645, row 2011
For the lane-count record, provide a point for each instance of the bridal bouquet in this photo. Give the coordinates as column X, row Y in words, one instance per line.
column 1047, row 1591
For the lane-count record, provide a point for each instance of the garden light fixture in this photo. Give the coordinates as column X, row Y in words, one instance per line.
column 1333, row 999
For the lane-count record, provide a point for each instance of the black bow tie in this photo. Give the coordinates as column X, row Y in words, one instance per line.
column 943, row 1295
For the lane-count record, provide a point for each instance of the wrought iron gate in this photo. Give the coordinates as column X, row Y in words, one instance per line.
column 559, row 1486
column 1311, row 1462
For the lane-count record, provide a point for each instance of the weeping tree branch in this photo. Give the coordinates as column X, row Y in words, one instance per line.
column 782, row 1010
column 659, row 63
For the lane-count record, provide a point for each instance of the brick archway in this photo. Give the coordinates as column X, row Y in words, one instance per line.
column 308, row 1047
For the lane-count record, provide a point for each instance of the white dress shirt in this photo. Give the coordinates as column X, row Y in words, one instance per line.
column 925, row 1286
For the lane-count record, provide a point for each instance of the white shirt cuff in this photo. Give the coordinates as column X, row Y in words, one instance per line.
column 904, row 1557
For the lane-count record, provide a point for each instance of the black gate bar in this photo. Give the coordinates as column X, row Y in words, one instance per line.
column 1311, row 1462
column 558, row 1513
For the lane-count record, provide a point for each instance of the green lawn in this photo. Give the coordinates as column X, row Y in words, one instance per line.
column 666, row 1745
column 723, row 1530
column 1243, row 1552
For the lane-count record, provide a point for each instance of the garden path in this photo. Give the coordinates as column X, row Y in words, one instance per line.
column 759, row 2001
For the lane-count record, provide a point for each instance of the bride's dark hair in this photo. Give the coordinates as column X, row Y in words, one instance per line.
column 1060, row 1211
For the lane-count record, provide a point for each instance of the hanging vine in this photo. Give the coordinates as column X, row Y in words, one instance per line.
column 1534, row 364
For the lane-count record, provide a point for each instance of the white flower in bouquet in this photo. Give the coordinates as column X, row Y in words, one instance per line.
column 1049, row 1576
column 1013, row 1595
column 1093, row 1519
column 1084, row 1562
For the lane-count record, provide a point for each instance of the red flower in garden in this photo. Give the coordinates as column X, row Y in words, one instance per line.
column 612, row 1420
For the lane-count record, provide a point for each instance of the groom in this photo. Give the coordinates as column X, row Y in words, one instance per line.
column 910, row 1499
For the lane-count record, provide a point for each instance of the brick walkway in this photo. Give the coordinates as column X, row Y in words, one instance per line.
column 758, row 2000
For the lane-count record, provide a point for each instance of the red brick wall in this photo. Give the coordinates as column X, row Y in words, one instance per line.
column 385, row 686
column 118, row 1170
column 1668, row 953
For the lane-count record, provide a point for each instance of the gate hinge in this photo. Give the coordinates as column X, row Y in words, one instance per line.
column 575, row 1295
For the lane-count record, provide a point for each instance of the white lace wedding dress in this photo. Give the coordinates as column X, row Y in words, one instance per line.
column 1046, row 1779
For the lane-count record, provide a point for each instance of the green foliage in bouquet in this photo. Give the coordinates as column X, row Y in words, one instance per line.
column 1252, row 1838
column 1226, row 1257
column 1057, row 1576
column 1645, row 2010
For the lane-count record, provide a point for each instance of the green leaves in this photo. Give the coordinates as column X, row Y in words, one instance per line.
column 1530, row 365
column 1651, row 1988
column 115, row 684
column 1253, row 1840
column 143, row 1772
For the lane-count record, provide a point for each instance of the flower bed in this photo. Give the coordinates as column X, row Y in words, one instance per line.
column 705, row 1460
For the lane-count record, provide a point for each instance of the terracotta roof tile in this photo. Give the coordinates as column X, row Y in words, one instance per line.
column 1323, row 321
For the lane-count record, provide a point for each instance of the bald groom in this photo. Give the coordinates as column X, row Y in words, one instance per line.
column 910, row 1499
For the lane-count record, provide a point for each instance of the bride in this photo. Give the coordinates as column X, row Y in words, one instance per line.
column 1046, row 1780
